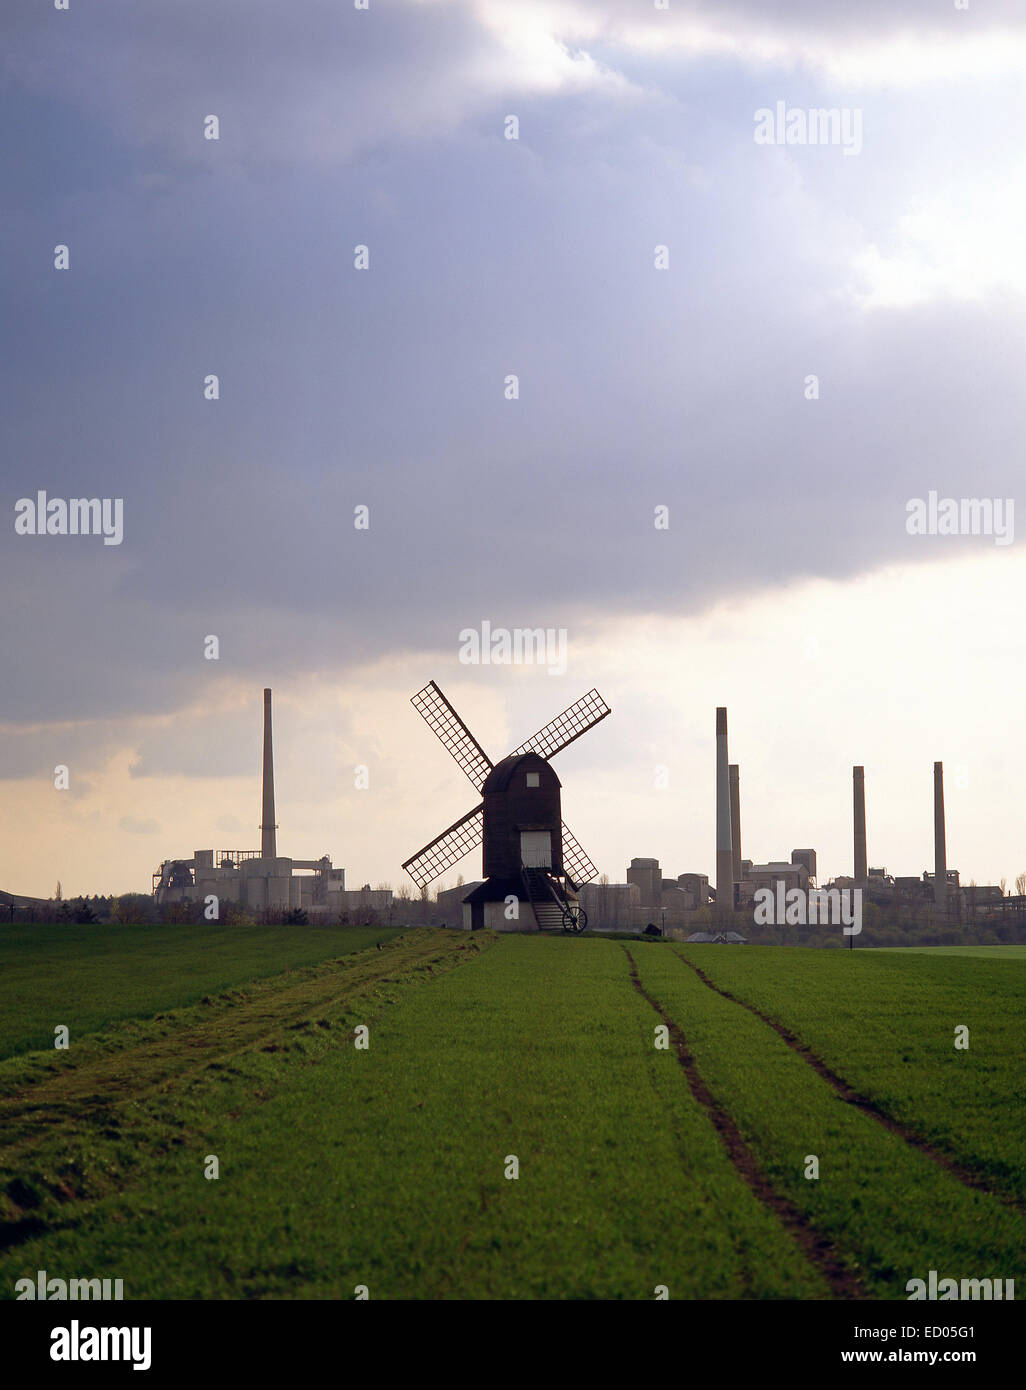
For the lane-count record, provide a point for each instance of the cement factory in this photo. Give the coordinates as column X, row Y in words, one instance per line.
column 261, row 880
column 530, row 858
column 667, row 902
column 529, row 853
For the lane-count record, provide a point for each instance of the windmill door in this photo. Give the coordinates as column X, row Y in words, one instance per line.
column 536, row 848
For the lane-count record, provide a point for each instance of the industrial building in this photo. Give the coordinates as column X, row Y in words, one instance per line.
column 645, row 899
column 941, row 888
column 667, row 902
column 262, row 880
column 737, row 880
column 530, row 855
column 697, row 887
column 611, row 906
column 647, row 876
column 449, row 902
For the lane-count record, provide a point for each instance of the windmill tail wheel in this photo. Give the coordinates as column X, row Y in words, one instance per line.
column 574, row 919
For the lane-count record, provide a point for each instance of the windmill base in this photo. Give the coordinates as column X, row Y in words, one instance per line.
column 498, row 905
column 493, row 917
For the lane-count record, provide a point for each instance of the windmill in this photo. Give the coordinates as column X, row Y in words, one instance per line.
column 528, row 850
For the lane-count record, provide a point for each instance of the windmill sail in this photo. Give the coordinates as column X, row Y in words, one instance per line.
column 447, row 849
column 467, row 833
column 566, row 727
column 576, row 864
column 450, row 730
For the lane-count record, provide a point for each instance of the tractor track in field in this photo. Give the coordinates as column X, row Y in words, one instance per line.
column 820, row 1251
column 43, row 1115
column 239, row 1022
column 851, row 1096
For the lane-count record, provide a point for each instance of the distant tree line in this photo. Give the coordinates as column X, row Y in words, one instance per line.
column 142, row 909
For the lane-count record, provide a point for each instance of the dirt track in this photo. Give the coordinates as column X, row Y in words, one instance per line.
column 853, row 1097
column 817, row 1249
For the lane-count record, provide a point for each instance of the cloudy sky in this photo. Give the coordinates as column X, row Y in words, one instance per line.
column 786, row 585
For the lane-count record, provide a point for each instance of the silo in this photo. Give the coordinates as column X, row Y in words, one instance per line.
column 647, row 874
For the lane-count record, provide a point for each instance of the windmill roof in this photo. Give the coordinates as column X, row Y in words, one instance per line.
column 495, row 890
column 501, row 774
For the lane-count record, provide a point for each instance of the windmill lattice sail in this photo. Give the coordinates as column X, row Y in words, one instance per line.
column 452, row 733
column 455, row 843
column 575, row 862
column 447, row 849
column 576, row 720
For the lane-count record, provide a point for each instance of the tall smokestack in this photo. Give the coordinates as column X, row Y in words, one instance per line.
column 724, row 855
column 735, row 820
column 940, row 856
column 267, row 826
column 861, row 868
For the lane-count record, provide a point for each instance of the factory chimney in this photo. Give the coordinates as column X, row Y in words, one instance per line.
column 724, row 855
column 940, row 865
column 861, row 869
column 268, row 848
column 735, row 820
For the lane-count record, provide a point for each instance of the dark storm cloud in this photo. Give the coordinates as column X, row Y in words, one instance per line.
column 385, row 388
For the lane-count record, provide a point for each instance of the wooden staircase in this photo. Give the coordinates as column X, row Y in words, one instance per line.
column 553, row 909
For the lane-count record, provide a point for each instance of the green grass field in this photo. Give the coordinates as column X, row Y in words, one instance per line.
column 638, row 1166
column 87, row 977
column 885, row 1022
column 1009, row 952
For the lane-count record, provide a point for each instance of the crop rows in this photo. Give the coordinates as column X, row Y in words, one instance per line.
column 890, row 1210
column 516, row 1128
column 885, row 1022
